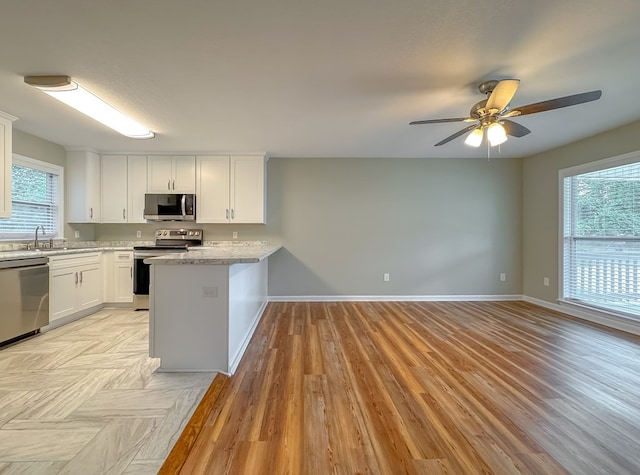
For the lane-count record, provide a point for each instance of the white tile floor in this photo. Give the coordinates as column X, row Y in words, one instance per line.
column 84, row 399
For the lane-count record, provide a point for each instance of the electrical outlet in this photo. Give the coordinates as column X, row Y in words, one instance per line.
column 235, row 235
column 545, row 281
column 386, row 277
column 76, row 234
column 503, row 277
column 138, row 233
column 209, row 292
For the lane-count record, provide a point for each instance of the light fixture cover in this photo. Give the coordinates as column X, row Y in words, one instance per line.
column 496, row 134
column 64, row 89
column 474, row 139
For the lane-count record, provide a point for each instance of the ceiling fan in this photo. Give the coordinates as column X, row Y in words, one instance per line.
column 492, row 114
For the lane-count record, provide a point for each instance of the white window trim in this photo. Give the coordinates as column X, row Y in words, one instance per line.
column 610, row 162
column 22, row 160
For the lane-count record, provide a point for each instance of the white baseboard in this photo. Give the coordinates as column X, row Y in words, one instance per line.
column 601, row 318
column 392, row 298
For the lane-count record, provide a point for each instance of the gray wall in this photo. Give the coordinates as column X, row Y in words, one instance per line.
column 541, row 202
column 40, row 149
column 438, row 227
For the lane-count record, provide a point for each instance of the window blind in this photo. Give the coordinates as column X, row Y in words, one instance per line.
column 34, row 201
column 601, row 239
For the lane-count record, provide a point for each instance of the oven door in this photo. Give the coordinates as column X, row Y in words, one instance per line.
column 141, row 276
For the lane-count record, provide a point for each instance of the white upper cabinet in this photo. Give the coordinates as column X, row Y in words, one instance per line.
column 171, row 174
column 247, row 192
column 114, row 189
column 6, row 150
column 124, row 183
column 230, row 189
column 136, row 188
column 212, row 189
column 83, row 186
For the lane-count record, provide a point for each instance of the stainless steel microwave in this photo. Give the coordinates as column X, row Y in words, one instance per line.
column 169, row 207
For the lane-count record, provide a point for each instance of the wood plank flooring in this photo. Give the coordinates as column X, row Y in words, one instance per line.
column 84, row 398
column 426, row 388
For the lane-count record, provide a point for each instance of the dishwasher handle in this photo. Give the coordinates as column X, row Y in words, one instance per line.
column 23, row 262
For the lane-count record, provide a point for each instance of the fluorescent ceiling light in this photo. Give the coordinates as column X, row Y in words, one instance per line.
column 475, row 137
column 496, row 134
column 71, row 93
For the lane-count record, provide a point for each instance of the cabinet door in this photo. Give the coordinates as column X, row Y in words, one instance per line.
column 114, row 189
column 212, row 189
column 247, row 189
column 93, row 187
column 123, row 275
column 82, row 177
column 183, row 176
column 6, row 151
column 159, row 169
column 89, row 286
column 136, row 188
column 62, row 292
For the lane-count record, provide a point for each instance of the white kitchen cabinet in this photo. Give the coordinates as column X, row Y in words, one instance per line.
column 136, row 188
column 113, row 179
column 83, row 186
column 75, row 284
column 118, row 266
column 171, row 174
column 124, row 183
column 6, row 151
column 230, row 189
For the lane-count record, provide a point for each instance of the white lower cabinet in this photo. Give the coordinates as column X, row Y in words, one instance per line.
column 118, row 267
column 75, row 284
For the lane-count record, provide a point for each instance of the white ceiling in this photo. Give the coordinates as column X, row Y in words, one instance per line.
column 309, row 78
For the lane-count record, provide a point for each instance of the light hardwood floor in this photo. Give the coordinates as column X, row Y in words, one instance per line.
column 457, row 388
column 85, row 399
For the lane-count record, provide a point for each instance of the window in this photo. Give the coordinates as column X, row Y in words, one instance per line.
column 601, row 235
column 36, row 199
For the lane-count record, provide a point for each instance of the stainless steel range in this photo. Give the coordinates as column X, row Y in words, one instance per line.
column 167, row 241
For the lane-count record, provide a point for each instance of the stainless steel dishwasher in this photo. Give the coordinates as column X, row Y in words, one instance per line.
column 24, row 296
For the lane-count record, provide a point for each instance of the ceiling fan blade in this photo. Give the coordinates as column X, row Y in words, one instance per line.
column 514, row 129
column 502, row 94
column 558, row 103
column 440, row 121
column 456, row 135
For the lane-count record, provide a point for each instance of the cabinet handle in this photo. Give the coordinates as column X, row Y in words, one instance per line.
column 131, row 272
column 227, row 214
column 76, row 278
column 123, row 215
column 173, row 185
column 233, row 214
column 81, row 276
column 91, row 213
column 168, row 184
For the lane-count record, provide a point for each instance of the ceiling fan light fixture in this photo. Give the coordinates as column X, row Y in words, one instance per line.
column 69, row 92
column 496, row 134
column 474, row 139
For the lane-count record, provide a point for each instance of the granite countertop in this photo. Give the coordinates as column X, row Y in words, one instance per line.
column 58, row 251
column 217, row 255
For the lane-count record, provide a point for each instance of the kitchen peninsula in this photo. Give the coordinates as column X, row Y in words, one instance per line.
column 205, row 304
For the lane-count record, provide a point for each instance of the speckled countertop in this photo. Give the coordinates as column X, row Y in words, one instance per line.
column 213, row 252
column 217, row 255
column 8, row 253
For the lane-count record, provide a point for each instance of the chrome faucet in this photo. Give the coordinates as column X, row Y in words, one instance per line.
column 35, row 241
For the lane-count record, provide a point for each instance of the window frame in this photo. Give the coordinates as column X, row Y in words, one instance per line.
column 46, row 167
column 598, row 165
